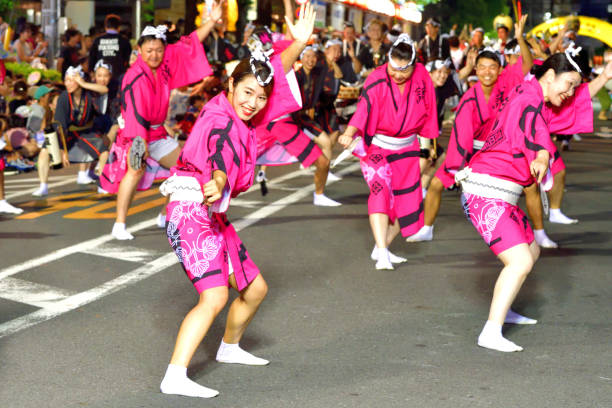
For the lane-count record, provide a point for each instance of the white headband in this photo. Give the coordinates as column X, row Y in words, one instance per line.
column 308, row 48
column 571, row 52
column 497, row 54
column 437, row 64
column 157, row 32
column 513, row 51
column 260, row 56
column 403, row 38
column 102, row 64
column 332, row 42
column 73, row 71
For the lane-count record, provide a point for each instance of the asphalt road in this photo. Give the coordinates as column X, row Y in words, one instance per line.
column 86, row 321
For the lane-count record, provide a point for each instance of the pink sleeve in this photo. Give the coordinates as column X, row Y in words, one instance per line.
column 513, row 75
column 574, row 116
column 133, row 108
column 461, row 143
column 186, row 61
column 285, row 98
column 364, row 105
column 430, row 128
column 533, row 133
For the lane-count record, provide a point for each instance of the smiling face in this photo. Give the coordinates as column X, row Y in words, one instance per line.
column 439, row 76
column 333, row 53
column 487, row 71
column 561, row 87
column 152, row 52
column 375, row 32
column 102, row 76
column 71, row 84
column 247, row 97
column 309, row 59
column 400, row 76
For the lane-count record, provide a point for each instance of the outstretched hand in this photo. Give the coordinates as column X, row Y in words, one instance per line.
column 303, row 28
column 519, row 26
column 608, row 70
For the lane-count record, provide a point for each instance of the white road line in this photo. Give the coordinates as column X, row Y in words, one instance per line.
column 134, row 276
column 60, row 253
column 35, row 179
column 32, row 293
column 83, row 298
column 123, row 253
column 29, row 191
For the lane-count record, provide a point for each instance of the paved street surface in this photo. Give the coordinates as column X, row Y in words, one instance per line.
column 87, row 321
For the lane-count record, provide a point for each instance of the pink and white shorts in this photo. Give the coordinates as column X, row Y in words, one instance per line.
column 501, row 224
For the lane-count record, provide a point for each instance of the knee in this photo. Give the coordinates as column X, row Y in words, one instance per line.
column 214, row 299
column 257, row 291
column 323, row 161
column 436, row 185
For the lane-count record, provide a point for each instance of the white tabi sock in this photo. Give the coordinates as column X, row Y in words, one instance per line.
column 424, row 192
column 491, row 338
column 542, row 239
column 424, row 234
column 176, row 382
column 120, row 233
column 43, row 190
column 324, row 201
column 161, row 220
column 392, row 257
column 558, row 217
column 332, row 177
column 83, row 178
column 383, row 262
column 515, row 318
column 6, row 207
column 233, row 354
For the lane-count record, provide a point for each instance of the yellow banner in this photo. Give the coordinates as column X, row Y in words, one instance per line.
column 589, row 27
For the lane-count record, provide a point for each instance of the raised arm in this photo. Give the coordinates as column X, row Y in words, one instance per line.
column 527, row 58
column 209, row 20
column 101, row 89
column 301, row 32
column 596, row 84
column 554, row 45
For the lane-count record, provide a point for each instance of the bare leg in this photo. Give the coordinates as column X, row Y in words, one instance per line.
column 432, row 201
column 167, row 161
column 243, row 308
column 324, row 142
column 125, row 195
column 196, row 324
column 320, row 175
column 379, row 223
column 556, row 198
column 192, row 332
column 534, row 206
column 518, row 262
column 43, row 173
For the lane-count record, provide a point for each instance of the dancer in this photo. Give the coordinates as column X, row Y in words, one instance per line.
column 146, row 92
column 516, row 154
column 397, row 102
column 217, row 163
column 75, row 113
column 301, row 135
column 475, row 116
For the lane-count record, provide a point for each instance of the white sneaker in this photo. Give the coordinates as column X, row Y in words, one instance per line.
column 324, row 201
column 120, row 233
column 7, row 208
column 424, row 234
column 42, row 191
column 544, row 241
column 102, row 191
column 161, row 220
column 84, row 179
column 392, row 257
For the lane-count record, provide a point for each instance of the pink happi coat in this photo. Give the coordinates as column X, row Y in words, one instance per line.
column 393, row 176
column 144, row 105
column 474, row 119
column 202, row 237
column 523, row 127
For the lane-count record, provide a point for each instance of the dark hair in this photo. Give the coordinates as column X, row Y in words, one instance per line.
column 488, row 55
column 71, row 32
column 243, row 70
column 560, row 64
column 146, row 38
column 453, row 41
column 112, row 21
column 195, row 98
column 20, row 88
column 403, row 51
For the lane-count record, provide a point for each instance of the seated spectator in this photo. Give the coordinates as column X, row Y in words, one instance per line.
column 20, row 96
